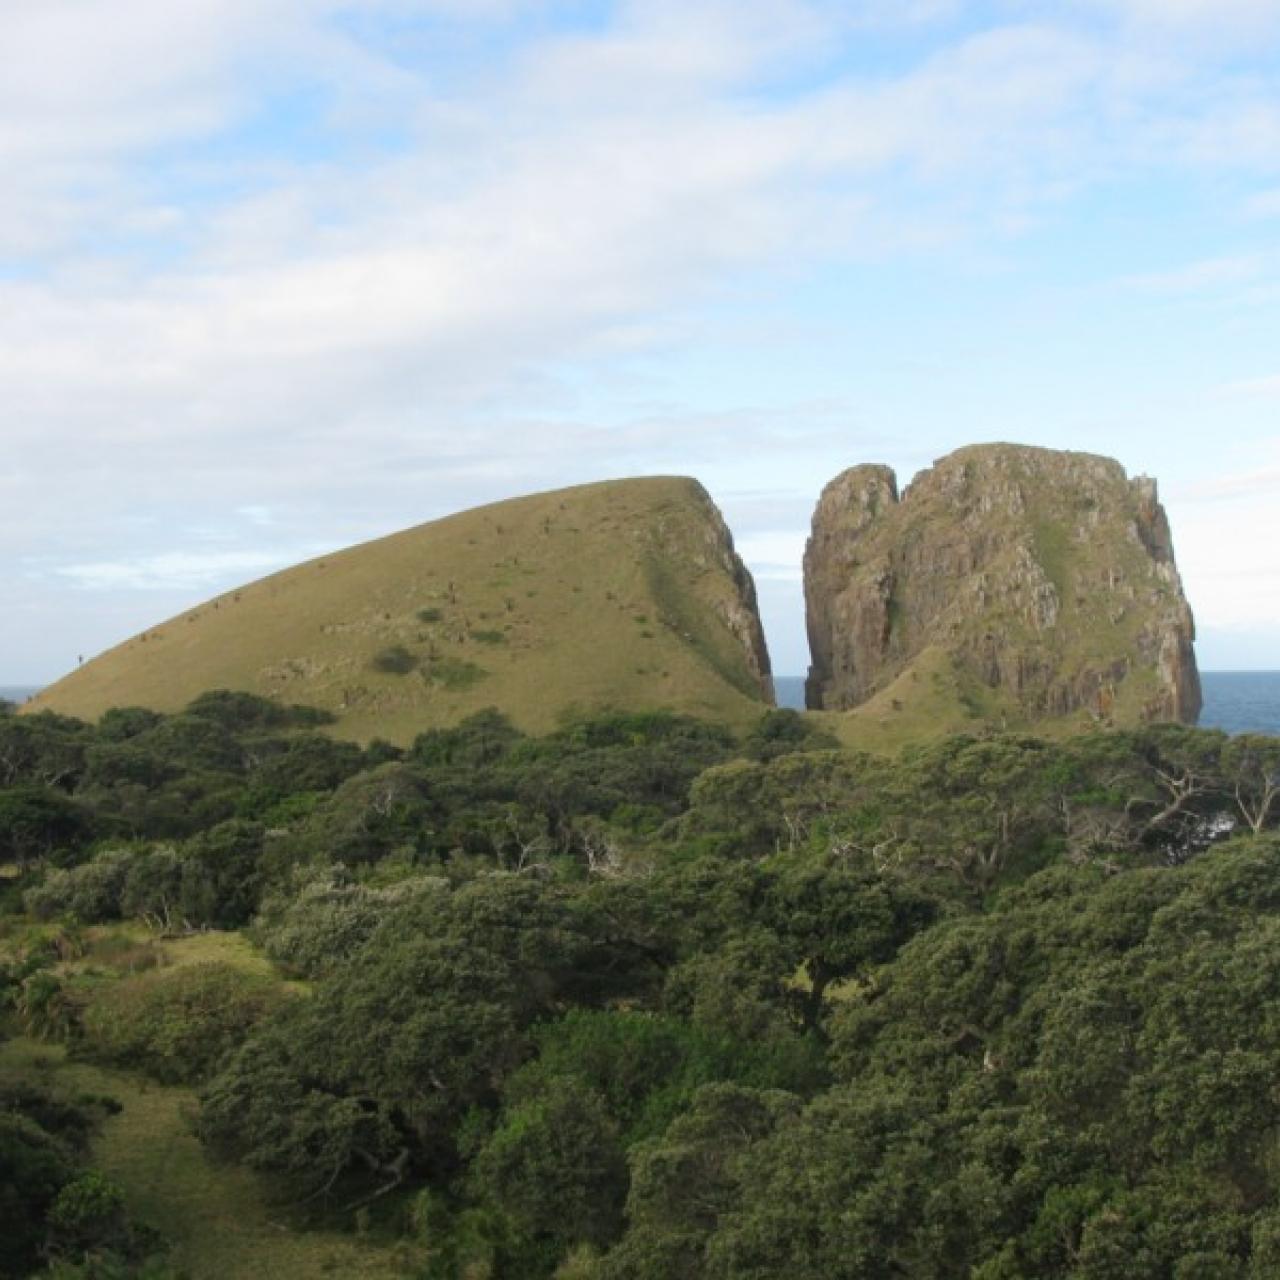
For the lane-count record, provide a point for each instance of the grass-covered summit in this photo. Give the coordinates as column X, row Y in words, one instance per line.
column 626, row 593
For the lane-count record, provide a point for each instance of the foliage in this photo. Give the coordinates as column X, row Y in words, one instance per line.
column 34, row 1167
column 38, row 823
column 90, row 892
column 176, row 1024
column 395, row 660
column 53, row 1205
column 783, row 731
column 317, row 924
column 554, row 1173
column 635, row 998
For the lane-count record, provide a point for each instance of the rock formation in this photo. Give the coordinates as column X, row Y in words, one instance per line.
column 1044, row 581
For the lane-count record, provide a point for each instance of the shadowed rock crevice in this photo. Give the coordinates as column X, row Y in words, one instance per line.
column 1033, row 584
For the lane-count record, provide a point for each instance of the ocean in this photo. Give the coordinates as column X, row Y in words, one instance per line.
column 1237, row 701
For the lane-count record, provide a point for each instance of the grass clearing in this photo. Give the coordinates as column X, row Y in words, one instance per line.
column 220, row 1219
column 215, row 947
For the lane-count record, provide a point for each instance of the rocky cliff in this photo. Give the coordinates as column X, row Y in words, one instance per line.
column 1028, row 584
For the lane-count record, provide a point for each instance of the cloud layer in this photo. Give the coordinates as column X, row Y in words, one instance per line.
column 357, row 264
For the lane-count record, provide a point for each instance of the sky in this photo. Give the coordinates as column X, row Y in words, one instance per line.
column 277, row 276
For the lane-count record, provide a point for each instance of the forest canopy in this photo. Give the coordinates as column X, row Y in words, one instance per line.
column 640, row 998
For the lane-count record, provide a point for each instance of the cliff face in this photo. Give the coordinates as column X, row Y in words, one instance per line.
column 1045, row 579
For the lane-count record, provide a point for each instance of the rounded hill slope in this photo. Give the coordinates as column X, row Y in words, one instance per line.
column 626, row 593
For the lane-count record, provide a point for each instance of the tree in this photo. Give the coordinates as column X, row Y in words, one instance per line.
column 783, row 731
column 39, row 824
column 1251, row 773
column 390, row 1054
column 555, row 1173
column 44, row 749
column 684, row 1180
column 838, row 923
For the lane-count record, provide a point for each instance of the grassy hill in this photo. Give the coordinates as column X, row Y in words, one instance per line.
column 626, row 593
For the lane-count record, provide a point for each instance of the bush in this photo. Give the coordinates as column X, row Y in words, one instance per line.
column 454, row 673
column 394, row 661
column 91, row 893
column 34, row 1167
column 88, row 1215
column 238, row 711
column 179, row 1024
column 316, row 929
column 555, row 1171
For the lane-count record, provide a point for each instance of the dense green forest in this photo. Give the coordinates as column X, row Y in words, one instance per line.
column 642, row 999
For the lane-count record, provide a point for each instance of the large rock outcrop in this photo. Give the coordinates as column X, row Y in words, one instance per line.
column 626, row 594
column 1032, row 584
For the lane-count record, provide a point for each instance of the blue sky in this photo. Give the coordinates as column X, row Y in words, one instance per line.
column 281, row 275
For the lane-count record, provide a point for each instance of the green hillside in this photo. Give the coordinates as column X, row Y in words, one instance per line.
column 625, row 593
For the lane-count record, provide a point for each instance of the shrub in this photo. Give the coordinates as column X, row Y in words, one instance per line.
column 34, row 1167
column 88, row 1215
column 49, row 1007
column 91, row 893
column 394, row 661
column 238, row 711
column 556, row 1172
column 454, row 673
column 177, row 1025
column 315, row 930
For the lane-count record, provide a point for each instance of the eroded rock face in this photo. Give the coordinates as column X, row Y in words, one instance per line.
column 1048, row 578
column 737, row 605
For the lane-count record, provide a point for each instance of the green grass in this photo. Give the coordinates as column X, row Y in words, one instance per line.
column 222, row 1221
column 1054, row 552
column 453, row 673
column 683, row 614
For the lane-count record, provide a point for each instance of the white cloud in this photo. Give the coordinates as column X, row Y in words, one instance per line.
column 775, row 555
column 178, row 570
column 1265, row 204
column 1263, row 482
column 379, row 334
column 1255, row 387
column 1198, row 12
column 1208, row 274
